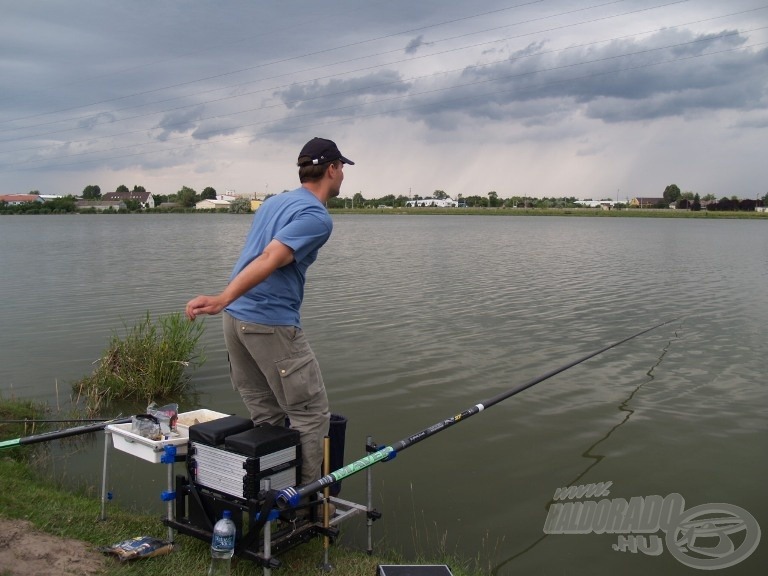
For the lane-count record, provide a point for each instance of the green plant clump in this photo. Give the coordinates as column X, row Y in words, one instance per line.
column 150, row 362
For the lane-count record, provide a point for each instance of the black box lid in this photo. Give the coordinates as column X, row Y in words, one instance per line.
column 262, row 439
column 214, row 432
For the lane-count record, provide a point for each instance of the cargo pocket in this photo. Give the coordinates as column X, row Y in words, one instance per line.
column 301, row 378
column 250, row 328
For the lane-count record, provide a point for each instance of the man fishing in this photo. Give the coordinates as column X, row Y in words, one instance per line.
column 271, row 363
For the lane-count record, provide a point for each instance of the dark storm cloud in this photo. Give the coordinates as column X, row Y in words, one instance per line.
column 413, row 46
column 90, row 122
column 179, row 122
column 669, row 73
column 216, row 127
column 343, row 93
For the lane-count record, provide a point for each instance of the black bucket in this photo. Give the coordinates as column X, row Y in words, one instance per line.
column 337, row 432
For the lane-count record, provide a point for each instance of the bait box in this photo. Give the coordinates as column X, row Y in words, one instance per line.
column 152, row 450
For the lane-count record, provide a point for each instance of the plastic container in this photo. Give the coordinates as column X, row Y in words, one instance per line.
column 152, row 450
column 187, row 419
column 222, row 546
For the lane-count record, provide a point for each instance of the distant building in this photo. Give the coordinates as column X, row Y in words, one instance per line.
column 646, row 202
column 212, row 204
column 433, row 202
column 603, row 204
column 145, row 199
column 16, row 199
column 100, row 205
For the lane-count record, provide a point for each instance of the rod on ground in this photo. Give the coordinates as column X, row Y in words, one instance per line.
column 290, row 497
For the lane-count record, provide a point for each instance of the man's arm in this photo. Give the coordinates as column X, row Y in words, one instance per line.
column 275, row 255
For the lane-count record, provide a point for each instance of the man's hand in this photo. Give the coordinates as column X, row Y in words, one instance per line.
column 204, row 305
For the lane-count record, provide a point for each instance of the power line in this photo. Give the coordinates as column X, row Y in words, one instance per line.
column 411, row 79
column 298, row 102
column 453, row 100
column 408, row 60
column 284, row 60
column 219, row 116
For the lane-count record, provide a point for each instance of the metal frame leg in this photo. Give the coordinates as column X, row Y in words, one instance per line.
column 369, row 507
column 325, row 565
column 267, row 537
column 104, row 497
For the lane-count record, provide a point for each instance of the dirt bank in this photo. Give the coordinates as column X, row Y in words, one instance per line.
column 25, row 551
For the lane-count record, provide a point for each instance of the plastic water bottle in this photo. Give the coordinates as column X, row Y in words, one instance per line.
column 222, row 546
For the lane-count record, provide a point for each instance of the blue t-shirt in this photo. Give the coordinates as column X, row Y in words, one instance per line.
column 300, row 221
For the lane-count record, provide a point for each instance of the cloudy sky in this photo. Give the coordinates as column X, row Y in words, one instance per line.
column 585, row 98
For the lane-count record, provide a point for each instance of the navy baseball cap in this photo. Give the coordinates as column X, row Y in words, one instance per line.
column 320, row 151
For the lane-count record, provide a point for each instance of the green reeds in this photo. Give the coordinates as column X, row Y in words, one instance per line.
column 148, row 363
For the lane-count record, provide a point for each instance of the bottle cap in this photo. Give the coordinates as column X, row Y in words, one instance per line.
column 227, row 514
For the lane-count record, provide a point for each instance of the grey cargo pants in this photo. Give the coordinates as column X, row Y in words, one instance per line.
column 277, row 375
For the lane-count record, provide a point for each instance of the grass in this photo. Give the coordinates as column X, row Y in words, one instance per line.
column 25, row 494
column 69, row 515
column 148, row 363
column 28, row 413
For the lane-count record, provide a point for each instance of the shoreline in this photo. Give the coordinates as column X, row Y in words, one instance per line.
column 496, row 212
column 564, row 212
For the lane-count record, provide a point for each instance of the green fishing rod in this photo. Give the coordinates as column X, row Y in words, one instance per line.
column 66, row 432
column 49, row 421
column 290, row 497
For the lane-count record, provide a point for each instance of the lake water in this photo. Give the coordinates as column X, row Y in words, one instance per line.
column 416, row 318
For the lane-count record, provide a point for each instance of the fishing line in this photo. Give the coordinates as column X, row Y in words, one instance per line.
column 623, row 407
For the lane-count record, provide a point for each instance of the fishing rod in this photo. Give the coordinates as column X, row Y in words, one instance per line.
column 48, row 421
column 290, row 497
column 56, row 434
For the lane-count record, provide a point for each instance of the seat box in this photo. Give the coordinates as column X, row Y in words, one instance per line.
column 214, row 432
column 247, row 459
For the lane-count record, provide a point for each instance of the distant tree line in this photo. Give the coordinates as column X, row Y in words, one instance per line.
column 691, row 201
column 672, row 195
column 186, row 198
